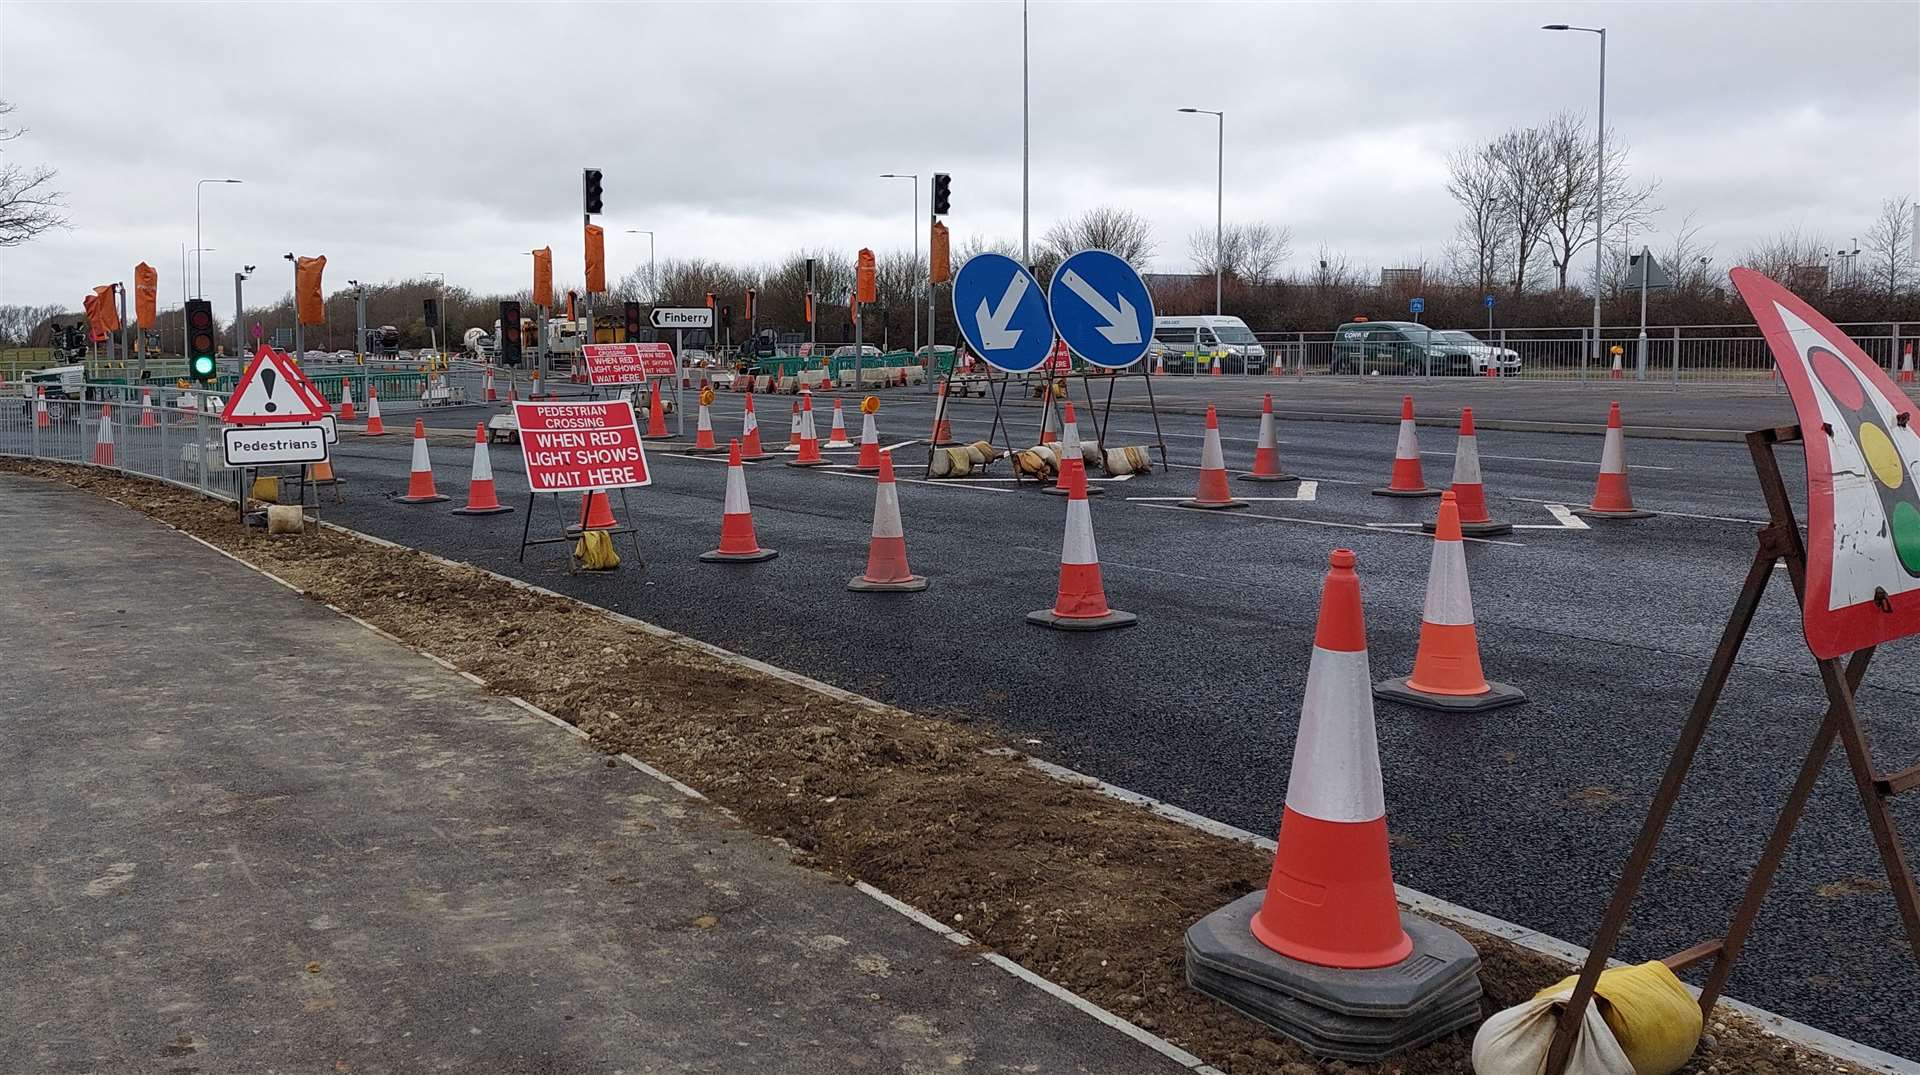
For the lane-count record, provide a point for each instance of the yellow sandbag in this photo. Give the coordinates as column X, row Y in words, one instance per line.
column 595, row 552
column 1654, row 1018
column 266, row 490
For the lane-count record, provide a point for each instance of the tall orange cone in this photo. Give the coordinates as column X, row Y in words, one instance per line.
column 656, row 412
column 1446, row 669
column 1266, row 453
column 1069, row 445
column 491, row 396
column 737, row 542
column 750, row 449
column 703, row 428
column 347, row 413
column 596, row 513
column 1212, row 493
column 1081, row 603
column 146, row 409
column 103, row 441
column 375, row 428
column 420, row 488
column 837, row 435
column 1467, row 487
column 1611, row 497
column 1330, row 900
column 887, row 569
column 869, row 461
column 41, row 418
column 1049, row 420
column 942, row 428
column 1407, row 477
column 481, row 497
column 1906, row 366
column 793, row 429
column 809, row 440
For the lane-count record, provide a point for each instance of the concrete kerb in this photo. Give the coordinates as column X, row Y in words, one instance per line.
column 1798, row 1033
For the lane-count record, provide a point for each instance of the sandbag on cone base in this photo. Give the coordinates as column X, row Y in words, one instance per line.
column 1358, row 1015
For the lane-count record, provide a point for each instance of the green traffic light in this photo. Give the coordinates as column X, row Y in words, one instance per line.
column 203, row 367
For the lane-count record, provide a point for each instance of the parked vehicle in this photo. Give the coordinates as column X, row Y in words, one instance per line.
column 1195, row 343
column 865, row 350
column 1416, row 350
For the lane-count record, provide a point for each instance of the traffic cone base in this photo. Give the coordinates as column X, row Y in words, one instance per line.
column 1486, row 529
column 1595, row 513
column 1496, row 696
column 1047, row 617
column 715, row 556
column 1281, row 477
column 910, row 584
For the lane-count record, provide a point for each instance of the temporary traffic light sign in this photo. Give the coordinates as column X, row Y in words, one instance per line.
column 273, row 391
column 202, row 364
column 590, row 191
column 942, row 193
column 146, row 295
column 307, row 297
column 1863, row 476
column 507, row 339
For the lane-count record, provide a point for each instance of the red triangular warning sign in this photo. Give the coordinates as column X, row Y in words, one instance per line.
column 273, row 391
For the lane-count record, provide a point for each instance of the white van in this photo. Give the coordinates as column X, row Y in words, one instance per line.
column 1194, row 342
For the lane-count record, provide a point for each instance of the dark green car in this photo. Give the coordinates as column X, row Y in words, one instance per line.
column 1405, row 347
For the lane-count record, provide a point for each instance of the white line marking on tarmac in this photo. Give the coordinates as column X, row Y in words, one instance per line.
column 966, row 483
column 902, row 444
column 1375, row 528
column 1567, row 518
column 1676, row 514
column 1307, row 491
column 1539, row 459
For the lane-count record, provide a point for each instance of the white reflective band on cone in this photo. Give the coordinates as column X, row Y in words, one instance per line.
column 1466, row 463
column 482, row 463
column 1449, row 600
column 106, row 430
column 1613, row 454
column 1070, row 439
column 1267, row 439
column 1210, row 454
column 706, row 421
column 736, row 503
column 1409, row 445
column 868, row 434
column 806, row 424
column 749, row 424
column 1077, row 546
column 1336, row 758
column 420, row 454
column 886, row 511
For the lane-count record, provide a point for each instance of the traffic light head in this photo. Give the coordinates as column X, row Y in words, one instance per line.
column 631, row 314
column 942, row 193
column 431, row 308
column 507, row 341
column 201, row 363
column 591, row 181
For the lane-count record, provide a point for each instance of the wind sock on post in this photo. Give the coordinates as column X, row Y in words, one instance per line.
column 738, row 545
column 887, row 570
column 1408, row 480
column 347, row 413
column 1069, row 445
column 750, row 449
column 869, row 461
column 1212, row 493
column 1081, row 603
column 420, row 488
column 1467, row 487
column 1266, row 453
column 837, row 435
column 656, row 412
column 482, row 499
column 1611, row 497
column 375, row 428
column 809, row 440
column 103, row 441
column 1323, row 954
column 1446, row 669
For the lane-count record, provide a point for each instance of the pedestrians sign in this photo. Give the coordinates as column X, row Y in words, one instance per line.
column 1002, row 313
column 576, row 446
column 682, row 317
column 1102, row 309
column 1418, row 305
column 273, row 391
column 253, row 446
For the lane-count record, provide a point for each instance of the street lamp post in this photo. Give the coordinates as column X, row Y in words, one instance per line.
column 653, row 284
column 914, row 226
column 1599, row 181
column 1219, row 202
column 239, row 340
column 197, row 278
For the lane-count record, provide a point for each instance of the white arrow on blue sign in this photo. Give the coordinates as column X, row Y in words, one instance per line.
column 1417, row 305
column 1101, row 308
column 1002, row 313
column 1489, row 302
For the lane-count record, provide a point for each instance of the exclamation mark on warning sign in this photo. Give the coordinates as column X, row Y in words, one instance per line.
column 267, row 377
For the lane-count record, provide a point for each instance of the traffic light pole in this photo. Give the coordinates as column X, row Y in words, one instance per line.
column 239, row 326
column 299, row 335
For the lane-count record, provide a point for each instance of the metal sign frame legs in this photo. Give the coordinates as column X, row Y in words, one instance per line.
column 1780, row 542
column 526, row 528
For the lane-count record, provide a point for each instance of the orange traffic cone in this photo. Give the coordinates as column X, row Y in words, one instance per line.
column 1081, row 602
column 1611, row 497
column 703, row 428
column 321, row 473
column 1048, row 420
column 809, row 441
column 942, row 429
column 837, row 435
column 793, row 429
column 1446, row 669
column 41, row 418
column 347, row 413
column 656, row 412
column 1266, row 453
column 887, row 569
column 737, row 542
column 596, row 513
column 1069, row 445
column 375, row 428
column 1906, row 366
column 146, row 409
column 869, row 461
column 1160, row 365
column 420, row 488
column 103, row 442
column 1407, row 477
column 481, row 497
column 1467, row 487
column 491, row 396
column 750, row 449
column 1330, row 900
column 1213, row 493
column 1217, row 363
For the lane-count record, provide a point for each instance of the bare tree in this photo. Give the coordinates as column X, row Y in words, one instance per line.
column 28, row 203
column 1891, row 242
column 1796, row 258
column 1522, row 163
column 1118, row 231
column 1574, row 192
column 1250, row 253
column 1481, row 236
column 19, row 323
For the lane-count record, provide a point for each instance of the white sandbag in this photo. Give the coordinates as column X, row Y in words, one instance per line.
column 1515, row 1041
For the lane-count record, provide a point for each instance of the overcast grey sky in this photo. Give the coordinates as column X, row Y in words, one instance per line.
column 401, row 139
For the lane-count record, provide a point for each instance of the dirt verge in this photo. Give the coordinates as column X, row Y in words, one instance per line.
column 1079, row 887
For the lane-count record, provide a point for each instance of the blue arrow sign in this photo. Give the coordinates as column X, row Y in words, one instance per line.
column 1102, row 309
column 1417, row 306
column 1489, row 302
column 1002, row 313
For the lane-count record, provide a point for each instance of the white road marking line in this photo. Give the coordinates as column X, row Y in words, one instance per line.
column 1373, row 528
column 961, row 484
column 1675, row 514
column 1569, row 462
column 1306, row 491
column 1567, row 518
column 902, row 444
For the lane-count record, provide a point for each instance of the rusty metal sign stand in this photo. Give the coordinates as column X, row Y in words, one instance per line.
column 1780, row 542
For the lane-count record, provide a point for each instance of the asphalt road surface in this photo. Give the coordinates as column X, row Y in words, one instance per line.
column 1524, row 813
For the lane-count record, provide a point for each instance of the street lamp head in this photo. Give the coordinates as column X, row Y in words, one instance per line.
column 1556, row 26
column 1189, row 110
column 229, row 181
column 248, row 270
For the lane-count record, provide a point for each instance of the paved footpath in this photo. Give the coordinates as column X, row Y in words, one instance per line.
column 246, row 834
